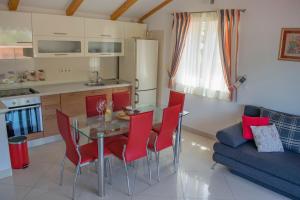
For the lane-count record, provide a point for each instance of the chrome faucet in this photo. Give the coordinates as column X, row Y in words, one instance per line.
column 98, row 77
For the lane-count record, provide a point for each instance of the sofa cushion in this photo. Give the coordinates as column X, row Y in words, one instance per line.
column 267, row 138
column 252, row 111
column 252, row 121
column 283, row 165
column 276, row 184
column 288, row 128
column 232, row 136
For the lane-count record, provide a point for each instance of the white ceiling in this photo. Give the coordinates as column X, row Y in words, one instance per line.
column 90, row 7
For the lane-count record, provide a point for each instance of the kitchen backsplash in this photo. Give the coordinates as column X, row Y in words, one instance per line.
column 63, row 69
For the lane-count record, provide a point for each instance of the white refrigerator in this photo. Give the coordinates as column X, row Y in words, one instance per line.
column 139, row 66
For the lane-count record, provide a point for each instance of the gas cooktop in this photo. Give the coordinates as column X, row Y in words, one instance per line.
column 17, row 92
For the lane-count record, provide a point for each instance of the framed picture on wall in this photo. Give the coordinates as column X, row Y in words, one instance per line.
column 290, row 44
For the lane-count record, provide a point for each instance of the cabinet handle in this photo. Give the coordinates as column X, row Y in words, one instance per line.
column 24, row 42
column 105, row 35
column 137, row 98
column 60, row 54
column 106, row 54
column 137, row 83
column 60, row 33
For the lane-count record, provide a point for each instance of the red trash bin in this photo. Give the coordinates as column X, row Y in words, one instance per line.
column 18, row 150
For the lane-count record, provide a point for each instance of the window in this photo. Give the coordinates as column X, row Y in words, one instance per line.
column 200, row 71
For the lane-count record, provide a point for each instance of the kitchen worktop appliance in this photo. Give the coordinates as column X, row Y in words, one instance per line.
column 25, row 115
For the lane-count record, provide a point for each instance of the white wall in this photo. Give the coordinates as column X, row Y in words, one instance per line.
column 271, row 83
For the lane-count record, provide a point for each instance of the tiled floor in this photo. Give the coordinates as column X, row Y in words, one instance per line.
column 193, row 181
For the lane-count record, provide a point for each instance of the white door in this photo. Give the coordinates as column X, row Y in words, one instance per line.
column 145, row 98
column 147, row 59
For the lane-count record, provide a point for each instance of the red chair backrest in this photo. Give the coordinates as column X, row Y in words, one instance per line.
column 91, row 104
column 168, row 126
column 63, row 123
column 120, row 100
column 176, row 98
column 139, row 131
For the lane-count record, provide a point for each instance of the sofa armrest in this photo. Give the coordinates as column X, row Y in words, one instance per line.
column 232, row 136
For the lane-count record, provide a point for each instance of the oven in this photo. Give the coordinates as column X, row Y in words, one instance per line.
column 24, row 116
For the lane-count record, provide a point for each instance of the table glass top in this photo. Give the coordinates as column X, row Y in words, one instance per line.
column 95, row 127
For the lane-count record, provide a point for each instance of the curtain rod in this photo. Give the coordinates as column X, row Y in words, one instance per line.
column 242, row 10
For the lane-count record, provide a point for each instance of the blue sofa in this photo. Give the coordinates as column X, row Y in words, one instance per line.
column 279, row 172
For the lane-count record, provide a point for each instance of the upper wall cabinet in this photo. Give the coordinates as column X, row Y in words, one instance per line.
column 104, row 28
column 46, row 46
column 135, row 30
column 15, row 29
column 57, row 25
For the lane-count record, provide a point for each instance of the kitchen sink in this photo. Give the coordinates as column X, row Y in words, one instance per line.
column 105, row 82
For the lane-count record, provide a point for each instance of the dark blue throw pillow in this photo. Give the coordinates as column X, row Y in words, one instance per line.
column 288, row 128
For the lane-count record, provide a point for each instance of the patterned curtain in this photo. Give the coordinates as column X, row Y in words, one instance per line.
column 181, row 24
column 228, row 20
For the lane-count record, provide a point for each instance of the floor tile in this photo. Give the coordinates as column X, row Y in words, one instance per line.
column 246, row 190
column 41, row 194
column 12, row 192
column 169, row 187
column 26, row 177
column 211, row 184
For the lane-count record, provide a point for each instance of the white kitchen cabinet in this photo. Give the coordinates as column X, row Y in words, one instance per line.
column 57, row 25
column 135, row 30
column 46, row 46
column 15, row 29
column 104, row 47
column 103, row 28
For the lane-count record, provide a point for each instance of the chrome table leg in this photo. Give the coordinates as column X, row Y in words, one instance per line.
column 177, row 140
column 101, row 184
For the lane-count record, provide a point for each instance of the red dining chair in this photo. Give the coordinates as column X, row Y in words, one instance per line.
column 164, row 138
column 91, row 104
column 120, row 100
column 175, row 98
column 80, row 156
column 134, row 146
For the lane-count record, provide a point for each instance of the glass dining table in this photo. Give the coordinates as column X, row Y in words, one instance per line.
column 95, row 129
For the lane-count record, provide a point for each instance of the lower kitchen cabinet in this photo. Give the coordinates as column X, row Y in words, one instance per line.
column 73, row 104
column 49, row 105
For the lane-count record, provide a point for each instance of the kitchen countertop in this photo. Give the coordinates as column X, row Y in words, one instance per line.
column 60, row 88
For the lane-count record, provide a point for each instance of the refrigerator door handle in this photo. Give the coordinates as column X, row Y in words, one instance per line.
column 137, row 83
column 137, row 98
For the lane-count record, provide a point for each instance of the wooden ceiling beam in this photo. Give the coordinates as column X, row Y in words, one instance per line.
column 74, row 5
column 13, row 4
column 122, row 9
column 154, row 10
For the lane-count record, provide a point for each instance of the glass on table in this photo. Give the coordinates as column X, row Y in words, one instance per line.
column 101, row 107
